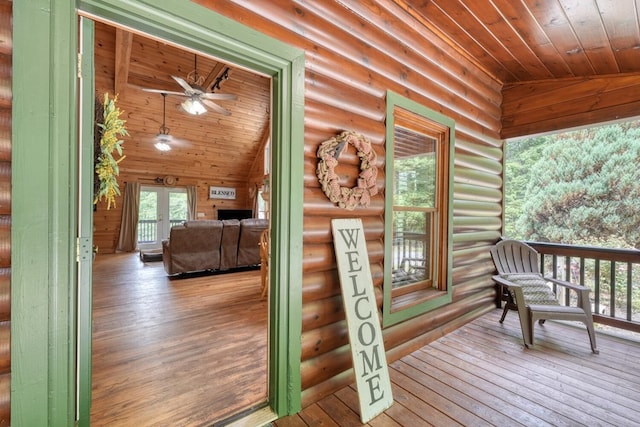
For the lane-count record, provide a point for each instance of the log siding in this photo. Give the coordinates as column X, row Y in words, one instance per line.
column 355, row 51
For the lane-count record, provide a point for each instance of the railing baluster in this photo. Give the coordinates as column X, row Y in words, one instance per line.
column 612, row 290
column 596, row 286
column 629, row 291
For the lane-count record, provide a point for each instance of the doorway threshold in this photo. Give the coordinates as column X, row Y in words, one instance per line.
column 255, row 418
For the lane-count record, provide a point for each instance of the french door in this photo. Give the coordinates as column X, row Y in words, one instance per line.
column 160, row 209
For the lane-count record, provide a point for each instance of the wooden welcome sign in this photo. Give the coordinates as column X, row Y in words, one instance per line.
column 365, row 334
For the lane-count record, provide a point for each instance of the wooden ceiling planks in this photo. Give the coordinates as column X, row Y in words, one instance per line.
column 206, row 145
column 531, row 40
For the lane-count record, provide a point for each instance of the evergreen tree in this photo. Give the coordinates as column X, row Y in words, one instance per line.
column 584, row 189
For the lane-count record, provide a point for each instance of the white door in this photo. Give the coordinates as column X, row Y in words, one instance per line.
column 160, row 209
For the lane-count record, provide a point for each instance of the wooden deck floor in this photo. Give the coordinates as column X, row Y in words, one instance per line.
column 482, row 375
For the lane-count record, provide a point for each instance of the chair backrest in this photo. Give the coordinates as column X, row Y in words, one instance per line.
column 265, row 238
column 513, row 256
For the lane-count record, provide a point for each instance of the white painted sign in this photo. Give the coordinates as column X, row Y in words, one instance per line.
column 365, row 334
column 222, row 193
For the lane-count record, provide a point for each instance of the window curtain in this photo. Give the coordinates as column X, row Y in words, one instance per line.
column 255, row 193
column 192, row 202
column 128, row 240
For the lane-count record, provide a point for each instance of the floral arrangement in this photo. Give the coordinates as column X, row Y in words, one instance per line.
column 107, row 170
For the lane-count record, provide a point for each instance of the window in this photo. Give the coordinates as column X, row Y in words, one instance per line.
column 418, row 210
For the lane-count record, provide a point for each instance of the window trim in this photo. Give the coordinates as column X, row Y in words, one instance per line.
column 424, row 300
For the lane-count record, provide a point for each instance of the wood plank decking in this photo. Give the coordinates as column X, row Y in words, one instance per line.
column 156, row 338
column 482, row 374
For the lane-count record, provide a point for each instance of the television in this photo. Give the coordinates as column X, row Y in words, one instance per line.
column 235, row 213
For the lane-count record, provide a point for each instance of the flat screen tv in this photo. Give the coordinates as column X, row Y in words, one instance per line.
column 235, row 213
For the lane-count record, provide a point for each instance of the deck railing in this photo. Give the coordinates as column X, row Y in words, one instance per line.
column 148, row 229
column 613, row 275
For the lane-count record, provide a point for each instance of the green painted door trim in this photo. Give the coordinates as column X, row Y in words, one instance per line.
column 44, row 204
column 85, row 220
column 43, row 212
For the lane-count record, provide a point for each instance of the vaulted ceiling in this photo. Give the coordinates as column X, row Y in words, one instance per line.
column 211, row 144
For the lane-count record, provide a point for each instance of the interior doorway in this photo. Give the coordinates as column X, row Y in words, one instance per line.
column 191, row 350
column 187, row 24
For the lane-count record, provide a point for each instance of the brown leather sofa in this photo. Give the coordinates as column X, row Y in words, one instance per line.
column 212, row 245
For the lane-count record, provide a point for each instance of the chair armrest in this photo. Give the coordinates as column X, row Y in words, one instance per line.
column 569, row 285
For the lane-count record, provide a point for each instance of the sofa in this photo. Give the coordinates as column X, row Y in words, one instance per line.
column 213, row 245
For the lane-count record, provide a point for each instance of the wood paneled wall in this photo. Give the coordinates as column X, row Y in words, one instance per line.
column 6, row 52
column 536, row 107
column 355, row 51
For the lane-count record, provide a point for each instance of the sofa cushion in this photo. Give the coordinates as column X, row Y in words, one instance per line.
column 194, row 246
column 229, row 244
column 248, row 244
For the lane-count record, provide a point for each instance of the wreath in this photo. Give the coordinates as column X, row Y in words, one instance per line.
column 106, row 166
column 329, row 151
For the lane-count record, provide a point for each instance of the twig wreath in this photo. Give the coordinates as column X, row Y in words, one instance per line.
column 328, row 153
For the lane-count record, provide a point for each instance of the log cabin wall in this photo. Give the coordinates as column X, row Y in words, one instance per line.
column 6, row 51
column 355, row 51
column 536, row 107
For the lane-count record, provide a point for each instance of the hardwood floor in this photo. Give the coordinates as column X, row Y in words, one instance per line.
column 175, row 352
column 481, row 375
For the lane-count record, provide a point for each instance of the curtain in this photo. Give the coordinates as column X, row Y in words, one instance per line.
column 128, row 240
column 254, row 193
column 192, row 202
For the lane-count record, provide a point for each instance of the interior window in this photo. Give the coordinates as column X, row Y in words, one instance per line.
column 418, row 214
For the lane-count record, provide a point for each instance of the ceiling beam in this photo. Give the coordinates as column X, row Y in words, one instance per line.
column 215, row 72
column 122, row 60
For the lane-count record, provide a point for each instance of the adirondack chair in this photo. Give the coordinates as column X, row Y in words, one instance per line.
column 527, row 291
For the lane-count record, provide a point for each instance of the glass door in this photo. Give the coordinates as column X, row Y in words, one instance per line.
column 160, row 209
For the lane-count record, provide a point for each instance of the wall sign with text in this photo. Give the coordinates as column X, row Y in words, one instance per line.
column 222, row 193
column 363, row 322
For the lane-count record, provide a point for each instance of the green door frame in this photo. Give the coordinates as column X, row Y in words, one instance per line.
column 45, row 194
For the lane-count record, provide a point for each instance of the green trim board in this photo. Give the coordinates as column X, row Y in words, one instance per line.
column 390, row 317
column 85, row 220
column 44, row 271
column 43, row 212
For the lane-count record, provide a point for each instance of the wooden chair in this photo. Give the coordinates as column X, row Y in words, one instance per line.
column 265, row 238
column 528, row 292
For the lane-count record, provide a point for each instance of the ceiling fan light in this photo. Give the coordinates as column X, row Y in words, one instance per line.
column 193, row 106
column 162, row 146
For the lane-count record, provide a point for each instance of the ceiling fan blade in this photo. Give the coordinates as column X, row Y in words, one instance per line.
column 183, row 83
column 167, row 92
column 228, row 96
column 215, row 107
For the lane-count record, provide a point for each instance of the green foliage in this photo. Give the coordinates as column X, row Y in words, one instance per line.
column 414, row 187
column 106, row 166
column 580, row 187
column 520, row 155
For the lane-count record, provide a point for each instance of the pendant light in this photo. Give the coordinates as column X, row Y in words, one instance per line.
column 163, row 138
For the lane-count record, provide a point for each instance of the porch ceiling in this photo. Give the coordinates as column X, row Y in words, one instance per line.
column 533, row 40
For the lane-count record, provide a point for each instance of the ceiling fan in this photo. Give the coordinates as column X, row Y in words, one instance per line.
column 197, row 96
